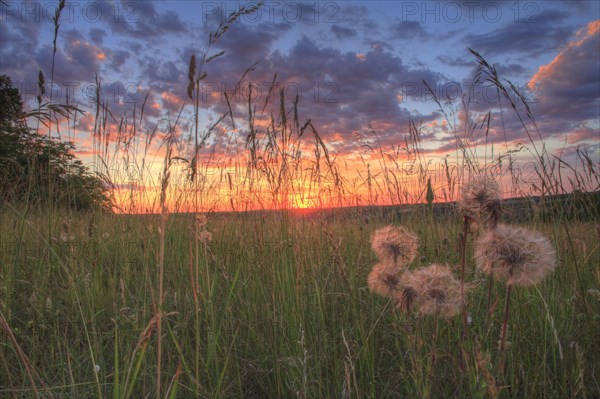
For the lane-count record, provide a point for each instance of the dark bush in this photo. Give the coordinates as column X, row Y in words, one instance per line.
column 36, row 168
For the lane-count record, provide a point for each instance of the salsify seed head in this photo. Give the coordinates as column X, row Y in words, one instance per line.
column 480, row 200
column 434, row 290
column 395, row 245
column 515, row 255
column 384, row 280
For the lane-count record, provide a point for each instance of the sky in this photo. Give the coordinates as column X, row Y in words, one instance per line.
column 357, row 67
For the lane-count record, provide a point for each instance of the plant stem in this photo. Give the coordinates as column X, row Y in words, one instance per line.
column 433, row 355
column 463, row 263
column 501, row 362
column 489, row 299
column 161, row 256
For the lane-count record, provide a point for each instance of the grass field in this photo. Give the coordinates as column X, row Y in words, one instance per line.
column 277, row 305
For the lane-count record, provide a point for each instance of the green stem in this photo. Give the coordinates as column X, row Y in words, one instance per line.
column 503, row 336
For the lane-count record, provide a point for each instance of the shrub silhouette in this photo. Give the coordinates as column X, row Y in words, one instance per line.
column 36, row 167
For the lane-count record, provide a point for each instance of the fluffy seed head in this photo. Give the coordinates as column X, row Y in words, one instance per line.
column 395, row 244
column 384, row 280
column 406, row 296
column 435, row 290
column 480, row 200
column 515, row 255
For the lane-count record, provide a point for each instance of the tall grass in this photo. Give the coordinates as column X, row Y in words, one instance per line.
column 130, row 305
column 282, row 310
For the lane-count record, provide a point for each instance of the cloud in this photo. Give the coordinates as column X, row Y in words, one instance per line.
column 455, row 61
column 408, row 30
column 171, row 101
column 564, row 101
column 511, row 70
column 245, row 44
column 78, row 61
column 97, row 35
column 117, row 58
column 342, row 32
column 135, row 47
column 584, row 133
column 19, row 32
column 352, row 15
column 547, row 33
column 344, row 92
column 140, row 19
column 567, row 88
column 160, row 71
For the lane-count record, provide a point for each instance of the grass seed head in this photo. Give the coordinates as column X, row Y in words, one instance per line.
column 515, row 255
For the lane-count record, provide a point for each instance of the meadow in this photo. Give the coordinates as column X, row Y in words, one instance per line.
column 277, row 305
column 181, row 292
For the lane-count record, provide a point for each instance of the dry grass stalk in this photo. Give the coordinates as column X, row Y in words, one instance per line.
column 32, row 375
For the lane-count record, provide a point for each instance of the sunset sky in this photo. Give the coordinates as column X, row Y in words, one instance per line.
column 356, row 66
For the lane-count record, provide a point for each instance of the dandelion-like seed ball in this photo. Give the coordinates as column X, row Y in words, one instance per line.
column 515, row 255
column 405, row 297
column 480, row 200
column 395, row 244
column 436, row 291
column 384, row 280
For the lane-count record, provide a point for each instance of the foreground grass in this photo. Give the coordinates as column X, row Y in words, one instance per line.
column 276, row 306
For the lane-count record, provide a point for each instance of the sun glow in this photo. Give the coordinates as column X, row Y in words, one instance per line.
column 301, row 202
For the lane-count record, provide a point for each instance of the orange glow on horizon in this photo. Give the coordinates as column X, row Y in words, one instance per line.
column 224, row 187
